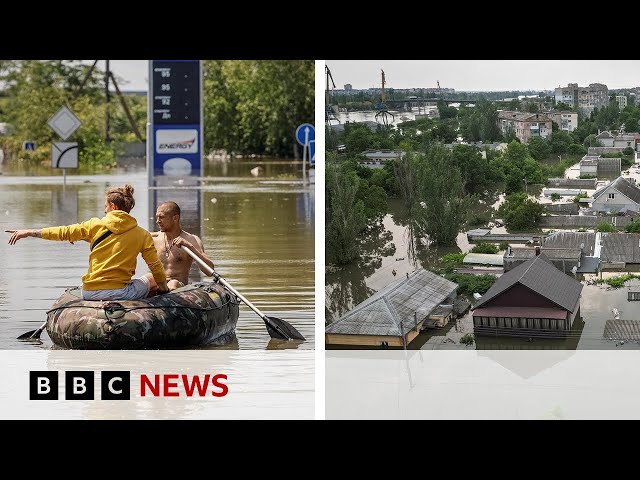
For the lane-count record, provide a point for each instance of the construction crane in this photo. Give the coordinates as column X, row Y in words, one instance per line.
column 383, row 112
column 329, row 113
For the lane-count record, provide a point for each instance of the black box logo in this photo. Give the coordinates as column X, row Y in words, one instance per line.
column 78, row 385
column 116, row 385
column 43, row 385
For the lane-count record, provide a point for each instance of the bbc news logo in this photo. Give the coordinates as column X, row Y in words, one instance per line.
column 116, row 385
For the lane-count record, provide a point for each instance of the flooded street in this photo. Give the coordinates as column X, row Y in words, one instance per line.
column 258, row 230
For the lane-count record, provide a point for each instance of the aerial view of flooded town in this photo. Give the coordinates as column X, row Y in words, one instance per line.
column 500, row 214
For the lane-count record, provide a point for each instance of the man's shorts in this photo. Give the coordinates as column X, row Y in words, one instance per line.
column 138, row 288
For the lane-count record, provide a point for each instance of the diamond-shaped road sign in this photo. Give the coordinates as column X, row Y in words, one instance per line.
column 64, row 123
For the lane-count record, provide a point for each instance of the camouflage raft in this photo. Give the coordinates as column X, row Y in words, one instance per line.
column 196, row 314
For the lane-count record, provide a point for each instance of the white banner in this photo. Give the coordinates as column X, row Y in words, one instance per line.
column 161, row 384
column 490, row 384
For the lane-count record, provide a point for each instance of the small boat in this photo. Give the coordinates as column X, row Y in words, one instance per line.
column 196, row 314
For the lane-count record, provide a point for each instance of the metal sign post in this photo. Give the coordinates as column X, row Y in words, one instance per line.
column 64, row 154
column 305, row 134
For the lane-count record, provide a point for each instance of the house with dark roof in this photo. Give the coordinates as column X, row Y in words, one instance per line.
column 618, row 196
column 395, row 315
column 567, row 260
column 620, row 251
column 533, row 299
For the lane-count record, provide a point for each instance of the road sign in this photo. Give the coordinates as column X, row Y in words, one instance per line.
column 64, row 123
column 31, row 146
column 64, row 155
column 312, row 152
column 305, row 133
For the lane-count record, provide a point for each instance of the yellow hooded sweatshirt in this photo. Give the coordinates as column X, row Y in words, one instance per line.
column 112, row 262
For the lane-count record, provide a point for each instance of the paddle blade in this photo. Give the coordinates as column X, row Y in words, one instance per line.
column 32, row 335
column 278, row 328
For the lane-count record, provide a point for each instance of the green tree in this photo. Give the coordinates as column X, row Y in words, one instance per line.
column 254, row 106
column 440, row 189
column 539, row 148
column 634, row 226
column 343, row 225
column 520, row 212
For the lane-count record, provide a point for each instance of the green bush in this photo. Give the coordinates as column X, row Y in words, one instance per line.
column 577, row 198
column 504, row 245
column 606, row 227
column 467, row 339
column 628, row 151
column 555, row 196
column 470, row 284
column 484, row 247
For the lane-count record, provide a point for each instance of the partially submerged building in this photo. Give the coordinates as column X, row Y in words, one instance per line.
column 395, row 315
column 535, row 298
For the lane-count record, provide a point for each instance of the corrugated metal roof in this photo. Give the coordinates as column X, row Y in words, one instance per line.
column 384, row 312
column 551, row 253
column 539, row 275
column 571, row 240
column 624, row 186
column 621, row 247
column 483, row 259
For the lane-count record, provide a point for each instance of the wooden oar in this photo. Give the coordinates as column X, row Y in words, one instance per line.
column 276, row 327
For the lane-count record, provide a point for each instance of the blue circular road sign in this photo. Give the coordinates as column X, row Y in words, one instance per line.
column 305, row 133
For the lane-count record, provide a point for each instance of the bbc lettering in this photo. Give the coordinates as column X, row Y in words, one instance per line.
column 79, row 385
column 116, row 385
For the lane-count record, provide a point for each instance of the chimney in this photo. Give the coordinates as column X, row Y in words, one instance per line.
column 509, row 254
column 407, row 275
column 537, row 251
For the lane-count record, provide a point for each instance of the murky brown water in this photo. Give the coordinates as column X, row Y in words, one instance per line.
column 259, row 231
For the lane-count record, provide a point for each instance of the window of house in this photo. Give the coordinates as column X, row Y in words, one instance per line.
column 612, row 195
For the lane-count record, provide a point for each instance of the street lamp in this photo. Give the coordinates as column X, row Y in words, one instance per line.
column 560, row 157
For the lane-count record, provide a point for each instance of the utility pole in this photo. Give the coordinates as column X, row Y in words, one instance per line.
column 107, row 138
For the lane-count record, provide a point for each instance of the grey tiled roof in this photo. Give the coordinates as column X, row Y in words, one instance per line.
column 623, row 186
column 539, row 275
column 384, row 312
column 621, row 247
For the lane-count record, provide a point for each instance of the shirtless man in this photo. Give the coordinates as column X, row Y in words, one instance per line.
column 168, row 240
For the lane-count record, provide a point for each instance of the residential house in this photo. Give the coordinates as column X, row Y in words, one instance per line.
column 597, row 165
column 620, row 195
column 524, row 124
column 395, row 315
column 567, row 260
column 535, row 298
column 621, row 251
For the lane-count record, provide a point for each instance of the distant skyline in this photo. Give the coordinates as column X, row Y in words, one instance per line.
column 485, row 75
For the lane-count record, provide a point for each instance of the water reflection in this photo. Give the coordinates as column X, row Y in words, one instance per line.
column 258, row 231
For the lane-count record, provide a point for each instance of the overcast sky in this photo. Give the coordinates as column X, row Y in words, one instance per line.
column 135, row 72
column 485, row 75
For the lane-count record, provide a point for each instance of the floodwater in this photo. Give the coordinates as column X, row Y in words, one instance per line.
column 258, row 230
column 396, row 252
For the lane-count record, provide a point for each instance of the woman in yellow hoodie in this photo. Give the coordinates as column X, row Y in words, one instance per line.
column 115, row 242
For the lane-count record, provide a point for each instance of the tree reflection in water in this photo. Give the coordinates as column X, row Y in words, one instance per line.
column 346, row 285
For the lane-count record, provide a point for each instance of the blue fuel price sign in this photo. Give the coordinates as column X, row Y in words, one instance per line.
column 175, row 104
